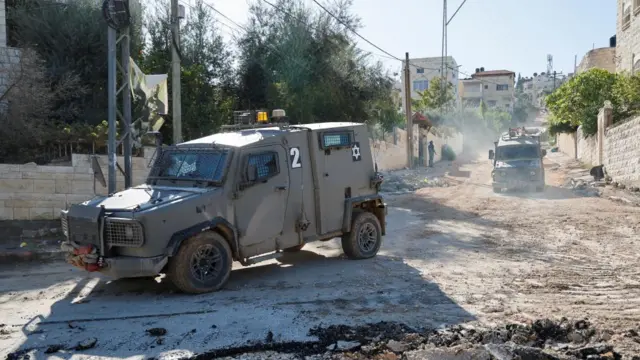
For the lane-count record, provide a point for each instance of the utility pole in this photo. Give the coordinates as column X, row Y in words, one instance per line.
column 175, row 72
column 117, row 15
column 126, row 107
column 443, row 69
column 554, row 80
column 407, row 99
column 112, row 107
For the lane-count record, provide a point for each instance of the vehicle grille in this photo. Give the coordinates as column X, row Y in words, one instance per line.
column 123, row 232
column 64, row 223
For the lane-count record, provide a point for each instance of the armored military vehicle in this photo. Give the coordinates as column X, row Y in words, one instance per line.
column 259, row 188
column 517, row 161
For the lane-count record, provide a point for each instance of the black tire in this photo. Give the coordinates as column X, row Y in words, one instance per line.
column 214, row 251
column 365, row 238
column 294, row 249
column 540, row 188
column 497, row 189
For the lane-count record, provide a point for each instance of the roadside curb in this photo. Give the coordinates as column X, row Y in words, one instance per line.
column 22, row 256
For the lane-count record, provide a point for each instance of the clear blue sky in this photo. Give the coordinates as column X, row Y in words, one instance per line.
column 515, row 35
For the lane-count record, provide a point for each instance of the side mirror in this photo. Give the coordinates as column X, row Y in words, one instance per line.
column 252, row 172
column 544, row 152
column 491, row 154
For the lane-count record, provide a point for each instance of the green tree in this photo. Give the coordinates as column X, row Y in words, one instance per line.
column 207, row 91
column 578, row 101
column 71, row 40
column 438, row 96
column 302, row 60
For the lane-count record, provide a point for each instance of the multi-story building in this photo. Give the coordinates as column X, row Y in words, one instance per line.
column 496, row 88
column 540, row 85
column 628, row 36
column 424, row 70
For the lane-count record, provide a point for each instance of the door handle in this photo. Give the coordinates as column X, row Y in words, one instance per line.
column 281, row 188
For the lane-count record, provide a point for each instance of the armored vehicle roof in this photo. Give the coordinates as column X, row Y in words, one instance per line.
column 248, row 136
column 519, row 137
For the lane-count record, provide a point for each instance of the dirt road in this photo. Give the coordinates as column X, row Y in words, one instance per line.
column 457, row 254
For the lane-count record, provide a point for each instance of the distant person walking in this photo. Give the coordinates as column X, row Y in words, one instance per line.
column 432, row 153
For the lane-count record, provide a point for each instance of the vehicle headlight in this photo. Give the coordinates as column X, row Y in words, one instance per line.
column 128, row 232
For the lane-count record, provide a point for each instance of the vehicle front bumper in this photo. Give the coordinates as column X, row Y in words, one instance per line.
column 518, row 184
column 129, row 267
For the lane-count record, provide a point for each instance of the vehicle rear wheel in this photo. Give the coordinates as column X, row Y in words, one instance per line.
column 202, row 264
column 294, row 248
column 365, row 238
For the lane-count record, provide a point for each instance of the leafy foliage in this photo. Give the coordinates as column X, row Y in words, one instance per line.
column 438, row 96
column 577, row 101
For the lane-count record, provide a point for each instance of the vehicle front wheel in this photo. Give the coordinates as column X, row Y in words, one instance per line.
column 202, row 264
column 365, row 238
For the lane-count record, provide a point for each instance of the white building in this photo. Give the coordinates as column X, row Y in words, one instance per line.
column 496, row 88
column 424, row 70
column 540, row 85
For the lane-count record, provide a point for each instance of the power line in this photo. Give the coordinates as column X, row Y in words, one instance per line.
column 454, row 14
column 353, row 31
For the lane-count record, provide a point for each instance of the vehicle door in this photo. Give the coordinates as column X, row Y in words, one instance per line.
column 262, row 194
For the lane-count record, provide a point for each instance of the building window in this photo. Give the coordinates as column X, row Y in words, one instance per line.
column 491, row 103
column 502, row 87
column 486, row 87
column 420, row 85
column 420, row 70
column 626, row 15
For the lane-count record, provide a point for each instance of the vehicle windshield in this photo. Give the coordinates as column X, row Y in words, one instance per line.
column 516, row 152
column 190, row 165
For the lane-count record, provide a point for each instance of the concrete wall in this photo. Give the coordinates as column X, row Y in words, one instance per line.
column 566, row 143
column 587, row 148
column 579, row 146
column 32, row 192
column 390, row 153
column 627, row 35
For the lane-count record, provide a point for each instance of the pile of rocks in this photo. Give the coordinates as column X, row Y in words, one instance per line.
column 406, row 181
column 542, row 339
column 585, row 188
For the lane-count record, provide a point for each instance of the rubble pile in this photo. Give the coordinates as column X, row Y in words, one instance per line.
column 584, row 188
column 409, row 181
column 541, row 340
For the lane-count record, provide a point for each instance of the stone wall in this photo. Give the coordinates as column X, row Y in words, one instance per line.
column 602, row 58
column 33, row 192
column 622, row 151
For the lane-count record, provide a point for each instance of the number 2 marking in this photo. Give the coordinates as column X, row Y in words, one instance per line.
column 294, row 153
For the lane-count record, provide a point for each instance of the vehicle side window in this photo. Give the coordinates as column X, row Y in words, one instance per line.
column 266, row 163
column 336, row 139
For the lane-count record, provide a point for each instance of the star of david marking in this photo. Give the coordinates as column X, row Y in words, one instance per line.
column 355, row 152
